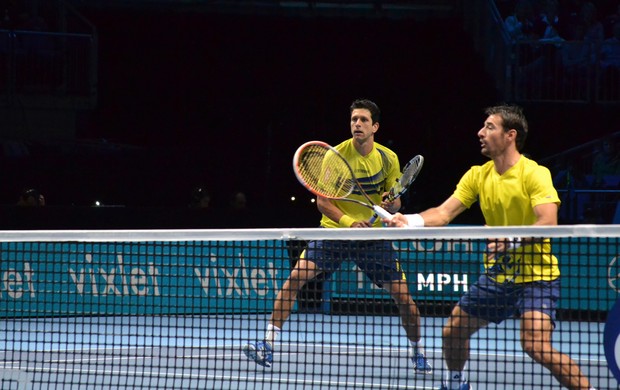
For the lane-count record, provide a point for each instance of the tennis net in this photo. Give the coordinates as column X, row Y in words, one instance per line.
column 155, row 309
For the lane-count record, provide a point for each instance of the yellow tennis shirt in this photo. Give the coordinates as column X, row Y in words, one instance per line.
column 509, row 200
column 376, row 172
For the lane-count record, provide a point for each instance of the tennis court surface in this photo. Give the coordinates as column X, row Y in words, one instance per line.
column 173, row 309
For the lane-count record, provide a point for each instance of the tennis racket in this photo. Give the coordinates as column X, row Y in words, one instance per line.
column 410, row 172
column 325, row 172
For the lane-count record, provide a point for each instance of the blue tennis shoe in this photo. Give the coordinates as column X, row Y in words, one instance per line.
column 261, row 352
column 420, row 364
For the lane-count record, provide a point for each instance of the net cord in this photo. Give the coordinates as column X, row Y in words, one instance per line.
column 447, row 232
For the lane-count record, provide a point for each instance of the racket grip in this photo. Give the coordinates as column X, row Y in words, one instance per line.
column 388, row 198
column 381, row 212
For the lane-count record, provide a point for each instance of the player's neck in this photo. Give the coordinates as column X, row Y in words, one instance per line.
column 363, row 147
column 506, row 161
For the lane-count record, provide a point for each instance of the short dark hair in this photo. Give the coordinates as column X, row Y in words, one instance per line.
column 198, row 193
column 375, row 112
column 30, row 197
column 512, row 118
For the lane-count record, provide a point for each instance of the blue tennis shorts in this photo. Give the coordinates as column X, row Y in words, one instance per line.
column 377, row 259
column 495, row 302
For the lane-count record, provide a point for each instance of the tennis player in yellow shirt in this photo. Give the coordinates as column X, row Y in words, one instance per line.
column 377, row 167
column 522, row 277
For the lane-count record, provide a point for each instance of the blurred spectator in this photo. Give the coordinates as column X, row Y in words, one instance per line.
column 524, row 26
column 567, row 179
column 239, row 214
column 8, row 14
column 567, row 176
column 606, row 162
column 605, row 170
column 32, row 22
column 521, row 23
column 238, row 201
column 200, row 199
column 550, row 21
column 5, row 20
column 611, row 20
column 570, row 16
column 593, row 28
column 610, row 65
column 35, row 41
column 31, row 198
column 610, row 50
column 576, row 54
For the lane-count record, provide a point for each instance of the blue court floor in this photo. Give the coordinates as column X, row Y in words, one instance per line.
column 315, row 351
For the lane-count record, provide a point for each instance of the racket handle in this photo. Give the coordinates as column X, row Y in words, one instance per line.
column 381, row 212
column 389, row 198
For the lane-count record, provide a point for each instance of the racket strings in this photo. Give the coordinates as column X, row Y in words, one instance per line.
column 325, row 173
column 410, row 172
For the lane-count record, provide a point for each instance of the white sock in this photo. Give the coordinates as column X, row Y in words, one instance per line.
column 416, row 346
column 272, row 334
column 454, row 379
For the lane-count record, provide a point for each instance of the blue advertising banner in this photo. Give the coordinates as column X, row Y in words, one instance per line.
column 435, row 270
column 444, row 270
column 590, row 272
column 42, row 279
column 140, row 278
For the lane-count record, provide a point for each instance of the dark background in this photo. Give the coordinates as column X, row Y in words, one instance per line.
column 223, row 100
